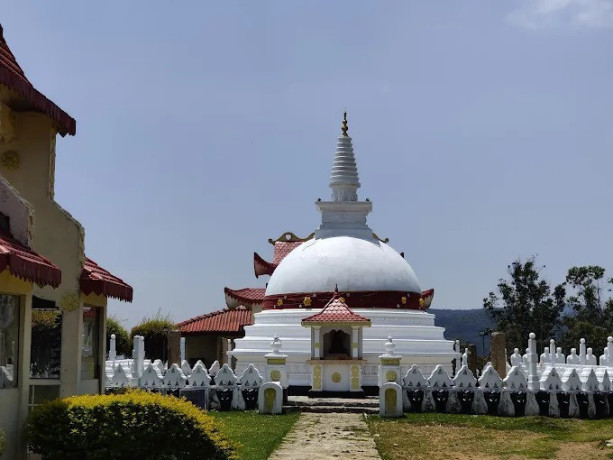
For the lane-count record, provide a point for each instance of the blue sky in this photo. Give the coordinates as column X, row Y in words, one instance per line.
column 482, row 130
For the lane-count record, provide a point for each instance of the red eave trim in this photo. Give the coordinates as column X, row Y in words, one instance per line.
column 245, row 296
column 261, row 266
column 27, row 264
column 97, row 280
column 12, row 76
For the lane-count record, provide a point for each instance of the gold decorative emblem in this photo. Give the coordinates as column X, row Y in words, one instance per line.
column 336, row 377
column 289, row 237
column 70, row 301
column 403, row 300
column 10, row 160
column 421, row 303
column 391, row 376
column 355, row 377
column 316, row 377
column 279, row 302
column 341, row 299
column 307, row 301
column 275, row 375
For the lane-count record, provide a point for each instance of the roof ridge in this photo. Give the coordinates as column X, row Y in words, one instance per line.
column 211, row 314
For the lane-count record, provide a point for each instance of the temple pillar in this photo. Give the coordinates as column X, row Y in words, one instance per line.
column 316, row 351
column 355, row 342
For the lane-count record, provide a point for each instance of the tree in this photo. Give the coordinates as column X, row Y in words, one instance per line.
column 154, row 329
column 525, row 303
column 593, row 316
column 123, row 345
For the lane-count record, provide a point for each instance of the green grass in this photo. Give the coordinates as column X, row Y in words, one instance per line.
column 257, row 435
column 432, row 435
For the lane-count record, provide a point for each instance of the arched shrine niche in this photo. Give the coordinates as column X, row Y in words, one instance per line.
column 337, row 344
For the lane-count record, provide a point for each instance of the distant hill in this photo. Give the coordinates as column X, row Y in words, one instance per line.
column 465, row 325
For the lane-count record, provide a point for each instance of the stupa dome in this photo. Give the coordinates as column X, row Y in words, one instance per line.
column 351, row 263
column 344, row 253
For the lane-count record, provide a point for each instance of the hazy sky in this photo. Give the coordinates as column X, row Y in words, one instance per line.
column 483, row 132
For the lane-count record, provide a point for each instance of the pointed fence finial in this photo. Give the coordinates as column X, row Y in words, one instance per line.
column 345, row 128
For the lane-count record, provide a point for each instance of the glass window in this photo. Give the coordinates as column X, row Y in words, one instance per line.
column 9, row 339
column 90, row 368
column 46, row 342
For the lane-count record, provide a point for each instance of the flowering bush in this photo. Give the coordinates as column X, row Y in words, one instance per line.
column 133, row 425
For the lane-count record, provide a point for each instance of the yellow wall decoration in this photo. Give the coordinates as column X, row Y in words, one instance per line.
column 336, row 377
column 70, row 301
column 391, row 376
column 275, row 375
column 10, row 160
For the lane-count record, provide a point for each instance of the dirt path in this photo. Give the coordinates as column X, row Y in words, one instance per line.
column 328, row 436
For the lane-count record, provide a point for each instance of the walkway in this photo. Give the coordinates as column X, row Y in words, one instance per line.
column 328, row 436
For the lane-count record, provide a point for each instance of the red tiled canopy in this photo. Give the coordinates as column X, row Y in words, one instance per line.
column 245, row 296
column 336, row 311
column 100, row 281
column 13, row 77
column 226, row 320
column 282, row 249
column 26, row 264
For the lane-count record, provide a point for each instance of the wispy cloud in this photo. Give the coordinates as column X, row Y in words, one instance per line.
column 540, row 14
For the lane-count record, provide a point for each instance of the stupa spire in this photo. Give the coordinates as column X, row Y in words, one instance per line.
column 344, row 180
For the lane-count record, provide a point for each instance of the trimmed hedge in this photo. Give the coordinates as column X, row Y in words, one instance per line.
column 133, row 425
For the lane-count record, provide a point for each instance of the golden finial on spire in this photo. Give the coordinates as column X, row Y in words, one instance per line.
column 345, row 128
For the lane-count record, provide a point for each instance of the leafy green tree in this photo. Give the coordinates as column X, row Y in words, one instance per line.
column 525, row 303
column 154, row 329
column 593, row 315
column 123, row 345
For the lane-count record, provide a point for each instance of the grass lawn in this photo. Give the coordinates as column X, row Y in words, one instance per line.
column 434, row 436
column 257, row 435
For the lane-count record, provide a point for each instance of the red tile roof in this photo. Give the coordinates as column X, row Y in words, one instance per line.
column 336, row 311
column 226, row 320
column 100, row 281
column 282, row 249
column 245, row 296
column 26, row 264
column 13, row 77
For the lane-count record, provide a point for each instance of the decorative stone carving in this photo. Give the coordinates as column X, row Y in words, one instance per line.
column 199, row 376
column 465, row 379
column 516, row 379
column 174, row 377
column 439, row 378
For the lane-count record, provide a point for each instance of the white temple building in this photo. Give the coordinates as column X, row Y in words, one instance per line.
column 335, row 297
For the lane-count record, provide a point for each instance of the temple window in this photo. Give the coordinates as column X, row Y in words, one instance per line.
column 9, row 339
column 90, row 363
column 46, row 340
column 337, row 344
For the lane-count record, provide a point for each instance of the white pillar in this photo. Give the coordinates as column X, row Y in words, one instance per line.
column 582, row 351
column 138, row 356
column 533, row 378
column 610, row 351
column 113, row 349
column 552, row 352
column 355, row 342
column 317, row 345
column 182, row 349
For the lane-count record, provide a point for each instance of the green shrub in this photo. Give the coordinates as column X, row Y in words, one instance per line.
column 154, row 329
column 133, row 425
column 2, row 441
column 123, row 344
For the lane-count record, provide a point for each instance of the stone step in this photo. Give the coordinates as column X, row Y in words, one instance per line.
column 332, row 402
column 333, row 409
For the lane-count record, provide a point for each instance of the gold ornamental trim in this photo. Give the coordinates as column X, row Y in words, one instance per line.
column 289, row 237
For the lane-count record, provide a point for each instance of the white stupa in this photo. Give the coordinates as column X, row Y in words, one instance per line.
column 369, row 292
